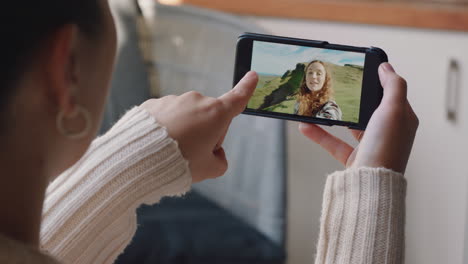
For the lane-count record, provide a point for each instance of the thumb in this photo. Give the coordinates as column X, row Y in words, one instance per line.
column 395, row 87
column 236, row 99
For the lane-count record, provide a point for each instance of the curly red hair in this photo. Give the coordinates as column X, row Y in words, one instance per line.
column 310, row 102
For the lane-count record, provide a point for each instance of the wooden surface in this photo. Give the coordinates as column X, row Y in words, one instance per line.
column 407, row 14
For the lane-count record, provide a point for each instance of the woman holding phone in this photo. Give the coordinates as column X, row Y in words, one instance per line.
column 66, row 197
column 315, row 93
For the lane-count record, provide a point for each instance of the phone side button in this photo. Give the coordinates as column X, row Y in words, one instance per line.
column 324, row 43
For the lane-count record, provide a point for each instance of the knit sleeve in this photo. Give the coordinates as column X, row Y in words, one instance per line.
column 89, row 213
column 363, row 218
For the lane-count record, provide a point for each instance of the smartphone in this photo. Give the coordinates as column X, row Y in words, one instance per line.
column 311, row 81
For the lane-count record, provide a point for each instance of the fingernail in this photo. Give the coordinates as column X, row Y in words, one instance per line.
column 388, row 67
column 250, row 75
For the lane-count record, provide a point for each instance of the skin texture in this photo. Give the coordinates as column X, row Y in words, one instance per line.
column 389, row 136
column 315, row 76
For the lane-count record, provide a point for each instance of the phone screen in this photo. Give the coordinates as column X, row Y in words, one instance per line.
column 307, row 81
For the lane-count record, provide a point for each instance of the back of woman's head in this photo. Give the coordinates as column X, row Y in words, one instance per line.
column 25, row 26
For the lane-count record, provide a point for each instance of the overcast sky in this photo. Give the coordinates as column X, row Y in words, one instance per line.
column 276, row 59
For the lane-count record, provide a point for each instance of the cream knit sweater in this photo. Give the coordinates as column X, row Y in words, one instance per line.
column 363, row 218
column 90, row 210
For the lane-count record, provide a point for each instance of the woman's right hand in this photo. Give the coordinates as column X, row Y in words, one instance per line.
column 199, row 124
column 388, row 139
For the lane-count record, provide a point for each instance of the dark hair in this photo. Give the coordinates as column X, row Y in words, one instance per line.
column 26, row 24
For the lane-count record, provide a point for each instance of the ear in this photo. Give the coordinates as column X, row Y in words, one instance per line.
column 60, row 65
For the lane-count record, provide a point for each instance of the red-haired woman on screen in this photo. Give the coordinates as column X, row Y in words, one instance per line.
column 315, row 93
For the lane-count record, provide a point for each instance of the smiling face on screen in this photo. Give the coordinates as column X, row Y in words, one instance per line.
column 315, row 76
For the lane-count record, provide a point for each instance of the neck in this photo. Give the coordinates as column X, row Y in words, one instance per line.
column 24, row 181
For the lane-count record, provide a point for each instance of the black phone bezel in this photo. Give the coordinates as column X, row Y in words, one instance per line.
column 371, row 94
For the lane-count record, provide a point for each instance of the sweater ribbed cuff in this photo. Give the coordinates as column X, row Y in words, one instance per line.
column 363, row 217
column 90, row 210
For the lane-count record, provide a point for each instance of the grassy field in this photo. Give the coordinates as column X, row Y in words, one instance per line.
column 347, row 84
column 266, row 85
column 346, row 81
column 286, row 107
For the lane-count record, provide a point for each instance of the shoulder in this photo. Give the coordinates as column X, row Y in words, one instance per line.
column 330, row 110
column 330, row 104
column 12, row 251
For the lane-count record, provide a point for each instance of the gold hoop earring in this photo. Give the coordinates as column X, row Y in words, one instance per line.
column 79, row 111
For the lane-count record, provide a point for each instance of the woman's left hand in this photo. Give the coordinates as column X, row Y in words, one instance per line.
column 390, row 133
column 199, row 124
